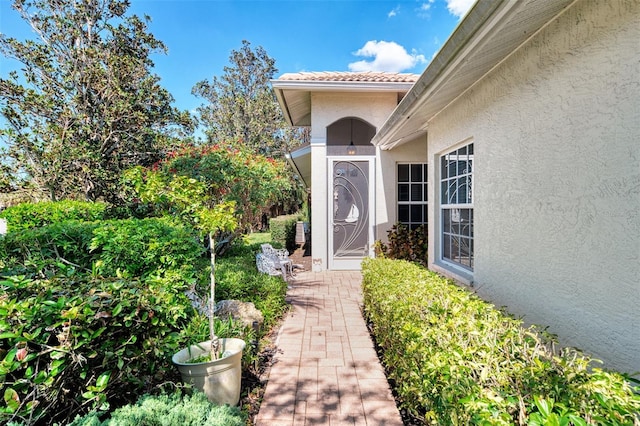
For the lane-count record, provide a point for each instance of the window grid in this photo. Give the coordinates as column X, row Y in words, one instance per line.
column 412, row 194
column 456, row 206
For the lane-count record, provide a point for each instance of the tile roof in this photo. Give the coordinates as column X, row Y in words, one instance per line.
column 366, row 77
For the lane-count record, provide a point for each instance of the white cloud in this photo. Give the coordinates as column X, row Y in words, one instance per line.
column 393, row 12
column 424, row 10
column 459, row 7
column 387, row 56
column 426, row 5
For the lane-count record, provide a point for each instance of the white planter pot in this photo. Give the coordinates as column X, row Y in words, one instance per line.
column 220, row 379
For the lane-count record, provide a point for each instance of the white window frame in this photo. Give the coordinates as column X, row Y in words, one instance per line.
column 424, row 202
column 465, row 211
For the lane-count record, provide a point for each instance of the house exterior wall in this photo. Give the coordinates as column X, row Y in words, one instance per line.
column 326, row 108
column 556, row 133
column 386, row 182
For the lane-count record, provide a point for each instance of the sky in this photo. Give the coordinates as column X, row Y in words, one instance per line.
column 302, row 35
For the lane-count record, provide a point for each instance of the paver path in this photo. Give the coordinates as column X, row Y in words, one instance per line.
column 326, row 371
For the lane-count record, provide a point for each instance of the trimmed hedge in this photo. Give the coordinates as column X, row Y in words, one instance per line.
column 135, row 247
column 34, row 215
column 456, row 359
column 283, row 230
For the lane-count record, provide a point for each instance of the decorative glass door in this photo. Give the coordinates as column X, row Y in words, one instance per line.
column 349, row 213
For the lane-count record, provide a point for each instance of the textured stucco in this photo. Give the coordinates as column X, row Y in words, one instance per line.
column 327, row 108
column 556, row 132
column 386, row 182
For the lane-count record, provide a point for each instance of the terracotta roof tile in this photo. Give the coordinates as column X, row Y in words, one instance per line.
column 366, row 77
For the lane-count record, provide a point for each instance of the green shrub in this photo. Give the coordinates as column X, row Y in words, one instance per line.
column 455, row 359
column 43, row 250
column 283, row 230
column 70, row 343
column 406, row 244
column 34, row 215
column 134, row 247
column 142, row 246
column 169, row 410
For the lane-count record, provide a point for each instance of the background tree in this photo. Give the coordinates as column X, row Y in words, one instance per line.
column 86, row 105
column 242, row 106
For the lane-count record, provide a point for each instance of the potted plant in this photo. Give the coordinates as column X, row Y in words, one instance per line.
column 213, row 366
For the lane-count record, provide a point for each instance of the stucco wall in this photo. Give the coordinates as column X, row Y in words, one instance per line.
column 386, row 182
column 326, row 108
column 556, row 132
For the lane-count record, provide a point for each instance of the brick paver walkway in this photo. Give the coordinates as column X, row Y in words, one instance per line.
column 326, row 371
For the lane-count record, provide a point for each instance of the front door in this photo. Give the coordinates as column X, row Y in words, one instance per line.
column 350, row 212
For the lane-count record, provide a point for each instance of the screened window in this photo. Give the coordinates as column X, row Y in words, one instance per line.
column 412, row 194
column 456, row 206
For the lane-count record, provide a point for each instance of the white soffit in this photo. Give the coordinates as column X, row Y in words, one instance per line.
column 300, row 160
column 489, row 33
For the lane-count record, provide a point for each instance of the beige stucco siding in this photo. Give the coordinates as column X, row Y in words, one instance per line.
column 556, row 133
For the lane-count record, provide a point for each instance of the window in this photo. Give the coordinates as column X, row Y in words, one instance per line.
column 412, row 194
column 456, row 206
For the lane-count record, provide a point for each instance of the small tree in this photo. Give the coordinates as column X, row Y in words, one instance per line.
column 188, row 198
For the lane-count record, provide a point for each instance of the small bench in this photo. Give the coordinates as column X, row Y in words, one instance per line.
column 270, row 265
column 274, row 261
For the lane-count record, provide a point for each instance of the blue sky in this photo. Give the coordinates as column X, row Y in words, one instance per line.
column 303, row 35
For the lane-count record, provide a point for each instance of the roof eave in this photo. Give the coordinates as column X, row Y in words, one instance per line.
column 465, row 30
column 482, row 24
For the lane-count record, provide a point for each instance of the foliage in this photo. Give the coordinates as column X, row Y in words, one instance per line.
column 42, row 251
column 211, row 175
column 139, row 247
column 455, row 359
column 406, row 244
column 86, row 105
column 70, row 343
column 242, row 107
column 238, row 279
column 34, row 215
column 133, row 247
column 169, row 409
column 73, row 339
column 283, row 230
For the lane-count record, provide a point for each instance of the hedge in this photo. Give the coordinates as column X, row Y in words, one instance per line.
column 283, row 230
column 456, row 359
column 34, row 215
column 135, row 247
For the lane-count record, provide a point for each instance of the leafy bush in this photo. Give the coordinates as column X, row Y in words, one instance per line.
column 34, row 215
column 142, row 246
column 455, row 359
column 227, row 174
column 169, row 410
column 135, row 247
column 43, row 250
column 283, row 230
column 406, row 244
column 71, row 343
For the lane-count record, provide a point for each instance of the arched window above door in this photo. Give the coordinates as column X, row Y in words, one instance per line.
column 350, row 136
